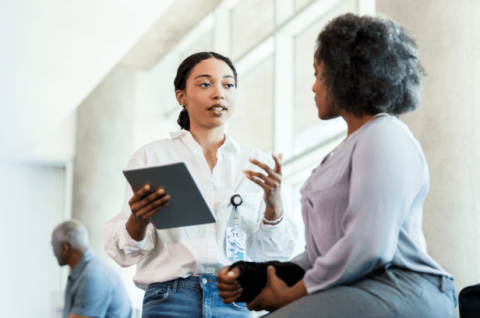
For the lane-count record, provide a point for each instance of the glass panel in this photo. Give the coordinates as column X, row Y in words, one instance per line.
column 204, row 44
column 252, row 122
column 306, row 115
column 252, row 21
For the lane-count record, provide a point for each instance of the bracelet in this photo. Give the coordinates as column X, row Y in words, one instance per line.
column 274, row 222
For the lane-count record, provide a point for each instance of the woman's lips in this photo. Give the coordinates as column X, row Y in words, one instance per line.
column 218, row 111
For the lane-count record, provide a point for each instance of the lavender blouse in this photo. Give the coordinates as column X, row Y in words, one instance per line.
column 362, row 208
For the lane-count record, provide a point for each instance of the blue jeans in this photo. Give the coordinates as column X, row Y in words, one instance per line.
column 192, row 297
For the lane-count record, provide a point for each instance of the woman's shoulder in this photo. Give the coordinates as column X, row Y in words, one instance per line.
column 389, row 137
column 389, row 130
column 144, row 154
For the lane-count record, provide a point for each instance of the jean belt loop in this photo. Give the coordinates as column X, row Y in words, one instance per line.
column 175, row 284
column 445, row 284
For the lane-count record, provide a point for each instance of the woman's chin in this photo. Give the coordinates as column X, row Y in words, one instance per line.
column 216, row 122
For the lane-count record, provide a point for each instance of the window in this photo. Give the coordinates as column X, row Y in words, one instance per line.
column 252, row 122
column 252, row 21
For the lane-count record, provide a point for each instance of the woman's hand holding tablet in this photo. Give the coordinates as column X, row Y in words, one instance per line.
column 144, row 204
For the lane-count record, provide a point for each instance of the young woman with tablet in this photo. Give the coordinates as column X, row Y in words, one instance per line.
column 177, row 267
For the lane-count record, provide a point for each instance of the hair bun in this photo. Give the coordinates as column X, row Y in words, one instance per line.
column 184, row 120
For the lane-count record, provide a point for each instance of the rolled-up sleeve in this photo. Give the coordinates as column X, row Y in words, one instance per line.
column 387, row 172
column 119, row 245
column 274, row 242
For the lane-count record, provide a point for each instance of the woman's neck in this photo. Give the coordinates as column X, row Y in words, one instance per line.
column 354, row 122
column 208, row 138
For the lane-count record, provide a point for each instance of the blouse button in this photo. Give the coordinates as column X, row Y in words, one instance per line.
column 204, row 281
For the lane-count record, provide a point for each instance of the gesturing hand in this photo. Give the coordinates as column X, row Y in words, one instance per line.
column 270, row 183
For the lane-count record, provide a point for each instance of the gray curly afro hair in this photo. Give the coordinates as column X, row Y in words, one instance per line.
column 370, row 65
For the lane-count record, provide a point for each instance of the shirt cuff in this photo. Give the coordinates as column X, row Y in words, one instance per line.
column 272, row 230
column 126, row 242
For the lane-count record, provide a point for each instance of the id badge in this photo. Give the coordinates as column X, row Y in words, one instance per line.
column 236, row 244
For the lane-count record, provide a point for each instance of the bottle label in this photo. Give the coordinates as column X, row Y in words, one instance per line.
column 236, row 244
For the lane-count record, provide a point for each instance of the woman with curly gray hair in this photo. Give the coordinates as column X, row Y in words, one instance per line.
column 366, row 254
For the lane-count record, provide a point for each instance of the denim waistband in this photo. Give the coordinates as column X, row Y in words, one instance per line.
column 193, row 282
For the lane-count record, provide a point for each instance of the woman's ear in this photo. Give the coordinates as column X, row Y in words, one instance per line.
column 180, row 95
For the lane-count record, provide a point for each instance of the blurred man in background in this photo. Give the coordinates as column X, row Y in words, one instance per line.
column 93, row 288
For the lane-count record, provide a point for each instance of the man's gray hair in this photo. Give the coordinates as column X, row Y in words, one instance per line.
column 73, row 232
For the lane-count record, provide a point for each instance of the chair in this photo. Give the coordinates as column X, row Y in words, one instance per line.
column 469, row 302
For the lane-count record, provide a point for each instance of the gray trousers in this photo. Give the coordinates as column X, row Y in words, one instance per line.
column 385, row 293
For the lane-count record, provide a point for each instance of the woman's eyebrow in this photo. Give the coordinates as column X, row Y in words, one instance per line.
column 210, row 76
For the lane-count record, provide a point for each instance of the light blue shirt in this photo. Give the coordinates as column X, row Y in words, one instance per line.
column 363, row 207
column 95, row 290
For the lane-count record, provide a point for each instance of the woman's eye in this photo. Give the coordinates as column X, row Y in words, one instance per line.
column 205, row 84
column 230, row 85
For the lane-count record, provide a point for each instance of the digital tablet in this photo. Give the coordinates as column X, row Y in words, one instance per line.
column 187, row 205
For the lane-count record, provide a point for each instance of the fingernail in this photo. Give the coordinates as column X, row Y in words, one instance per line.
column 160, row 191
column 231, row 274
column 147, row 187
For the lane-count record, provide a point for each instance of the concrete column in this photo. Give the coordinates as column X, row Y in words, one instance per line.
column 447, row 125
column 104, row 141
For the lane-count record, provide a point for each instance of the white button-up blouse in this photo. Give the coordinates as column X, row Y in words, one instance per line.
column 168, row 254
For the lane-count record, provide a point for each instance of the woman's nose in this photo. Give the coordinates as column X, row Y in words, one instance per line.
column 218, row 92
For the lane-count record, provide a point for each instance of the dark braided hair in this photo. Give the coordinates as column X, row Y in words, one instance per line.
column 184, row 71
column 370, row 65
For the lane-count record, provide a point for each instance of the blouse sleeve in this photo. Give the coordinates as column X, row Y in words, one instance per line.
column 273, row 242
column 387, row 172
column 119, row 245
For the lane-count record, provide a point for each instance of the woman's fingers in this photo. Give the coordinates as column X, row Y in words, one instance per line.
column 139, row 194
column 230, row 294
column 227, row 276
column 271, row 181
column 230, row 300
column 262, row 165
column 153, row 207
column 150, row 213
column 259, row 182
column 278, row 163
column 228, row 287
column 147, row 200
